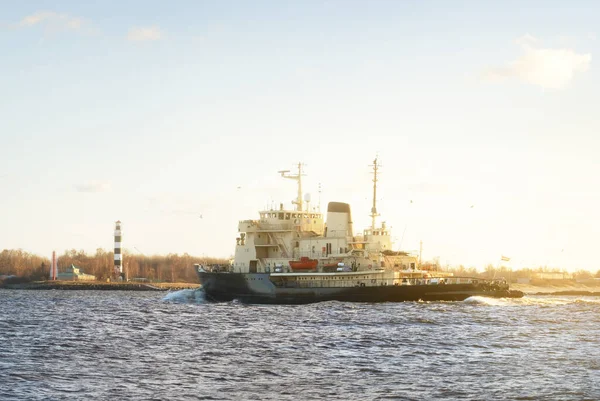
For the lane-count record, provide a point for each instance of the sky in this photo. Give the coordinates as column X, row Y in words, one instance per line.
column 174, row 118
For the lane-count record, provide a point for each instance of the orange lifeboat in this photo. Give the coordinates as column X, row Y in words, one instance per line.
column 304, row 264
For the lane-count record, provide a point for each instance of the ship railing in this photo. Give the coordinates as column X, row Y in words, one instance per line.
column 275, row 227
column 335, row 282
column 309, row 254
column 213, row 268
column 485, row 283
column 433, row 280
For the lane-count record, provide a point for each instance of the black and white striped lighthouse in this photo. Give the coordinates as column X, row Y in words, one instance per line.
column 118, row 272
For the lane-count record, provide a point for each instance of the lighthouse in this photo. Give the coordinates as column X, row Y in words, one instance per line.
column 118, row 269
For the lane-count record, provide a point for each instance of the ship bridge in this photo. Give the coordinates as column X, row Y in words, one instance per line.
column 275, row 237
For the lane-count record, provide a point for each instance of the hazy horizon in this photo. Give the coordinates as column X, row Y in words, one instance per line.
column 482, row 116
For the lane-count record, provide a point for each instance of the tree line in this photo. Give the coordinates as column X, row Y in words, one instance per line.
column 163, row 268
column 491, row 272
column 179, row 268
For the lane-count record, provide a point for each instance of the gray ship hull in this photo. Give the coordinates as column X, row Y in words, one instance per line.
column 259, row 288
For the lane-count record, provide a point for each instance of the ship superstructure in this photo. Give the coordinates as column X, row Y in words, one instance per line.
column 281, row 236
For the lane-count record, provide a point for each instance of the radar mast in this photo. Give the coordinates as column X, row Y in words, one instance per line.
column 374, row 208
column 298, row 177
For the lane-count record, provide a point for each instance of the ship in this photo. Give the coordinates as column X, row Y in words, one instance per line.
column 298, row 255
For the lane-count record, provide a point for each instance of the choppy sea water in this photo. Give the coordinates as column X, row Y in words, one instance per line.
column 104, row 345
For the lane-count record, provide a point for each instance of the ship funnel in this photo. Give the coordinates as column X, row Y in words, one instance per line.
column 339, row 220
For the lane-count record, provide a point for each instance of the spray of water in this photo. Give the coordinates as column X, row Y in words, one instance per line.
column 188, row 296
column 477, row 300
column 531, row 301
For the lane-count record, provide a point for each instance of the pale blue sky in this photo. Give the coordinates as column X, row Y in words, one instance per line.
column 154, row 113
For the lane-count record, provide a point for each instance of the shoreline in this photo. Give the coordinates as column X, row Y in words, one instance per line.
column 570, row 289
column 98, row 286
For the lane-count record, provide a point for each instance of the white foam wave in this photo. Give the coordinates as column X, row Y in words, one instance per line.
column 588, row 300
column 531, row 301
column 487, row 301
column 546, row 301
column 188, row 296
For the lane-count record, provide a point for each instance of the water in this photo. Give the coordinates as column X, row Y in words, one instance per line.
column 103, row 345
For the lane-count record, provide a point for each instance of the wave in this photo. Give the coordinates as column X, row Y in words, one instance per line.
column 588, row 301
column 488, row 301
column 545, row 301
column 531, row 301
column 187, row 296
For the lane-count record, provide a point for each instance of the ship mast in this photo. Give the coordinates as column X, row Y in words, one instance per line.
column 374, row 208
column 298, row 177
column 319, row 198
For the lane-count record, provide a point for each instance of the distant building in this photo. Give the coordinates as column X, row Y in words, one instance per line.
column 74, row 273
column 552, row 276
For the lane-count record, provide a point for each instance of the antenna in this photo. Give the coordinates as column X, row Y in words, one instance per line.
column 298, row 177
column 374, row 208
column 319, row 197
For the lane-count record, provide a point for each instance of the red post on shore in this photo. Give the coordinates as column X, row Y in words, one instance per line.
column 53, row 267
